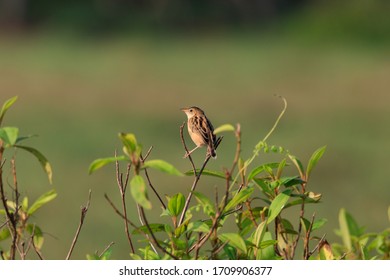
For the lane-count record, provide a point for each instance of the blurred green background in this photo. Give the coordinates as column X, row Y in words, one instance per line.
column 86, row 70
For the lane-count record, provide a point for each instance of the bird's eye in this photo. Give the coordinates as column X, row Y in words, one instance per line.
column 191, row 110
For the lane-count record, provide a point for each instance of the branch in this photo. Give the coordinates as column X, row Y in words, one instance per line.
column 154, row 237
column 197, row 176
column 106, row 249
column 133, row 225
column 148, row 178
column 10, row 217
column 122, row 189
column 84, row 210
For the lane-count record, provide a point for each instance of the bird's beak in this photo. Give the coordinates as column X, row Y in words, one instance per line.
column 184, row 109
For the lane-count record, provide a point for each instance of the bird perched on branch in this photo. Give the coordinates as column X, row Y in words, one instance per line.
column 200, row 130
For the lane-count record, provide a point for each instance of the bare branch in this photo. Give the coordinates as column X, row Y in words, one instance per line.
column 84, row 210
column 148, row 178
column 122, row 189
column 106, row 249
column 154, row 237
column 197, row 176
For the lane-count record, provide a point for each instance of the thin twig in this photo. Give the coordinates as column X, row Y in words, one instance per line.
column 9, row 216
column 306, row 240
column 193, row 187
column 84, row 210
column 130, row 222
column 122, row 190
column 196, row 179
column 148, row 178
column 3, row 224
column 143, row 223
column 154, row 237
column 318, row 245
column 106, row 249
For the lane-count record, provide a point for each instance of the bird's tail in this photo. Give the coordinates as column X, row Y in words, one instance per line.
column 212, row 152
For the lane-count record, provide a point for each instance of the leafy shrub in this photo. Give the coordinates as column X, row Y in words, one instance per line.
column 23, row 234
column 256, row 196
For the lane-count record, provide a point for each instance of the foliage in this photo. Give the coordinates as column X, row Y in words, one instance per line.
column 17, row 212
column 255, row 198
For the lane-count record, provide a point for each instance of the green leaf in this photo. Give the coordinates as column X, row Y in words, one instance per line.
column 162, row 166
column 207, row 173
column 38, row 235
column 257, row 170
column 4, row 234
column 314, row 160
column 25, row 204
column 281, row 166
column 129, row 142
column 176, row 204
column 278, row 204
column 264, row 186
column 234, row 240
column 319, row 224
column 138, row 191
column 149, row 254
column 198, row 226
column 22, row 138
column 267, row 251
column 153, row 227
column 7, row 104
column 208, row 206
column 100, row 162
column 42, row 200
column 258, row 237
column 223, row 128
column 242, row 196
column 42, row 159
column 290, row 181
column 348, row 228
column 305, row 224
column 135, row 257
column 106, row 255
column 298, row 164
column 9, row 135
column 93, row 257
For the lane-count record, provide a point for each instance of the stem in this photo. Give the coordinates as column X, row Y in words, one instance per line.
column 122, row 190
column 9, row 216
column 197, row 175
column 84, row 211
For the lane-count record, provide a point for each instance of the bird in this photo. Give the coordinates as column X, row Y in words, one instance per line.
column 200, row 130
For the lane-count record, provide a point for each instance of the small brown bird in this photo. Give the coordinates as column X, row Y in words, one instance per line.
column 200, row 130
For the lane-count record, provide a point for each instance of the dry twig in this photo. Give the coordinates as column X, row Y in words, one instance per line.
column 84, row 210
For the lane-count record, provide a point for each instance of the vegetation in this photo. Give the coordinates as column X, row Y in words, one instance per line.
column 259, row 199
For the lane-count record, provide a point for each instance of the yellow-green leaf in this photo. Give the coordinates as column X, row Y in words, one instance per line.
column 314, row 160
column 100, row 162
column 326, row 251
column 138, row 191
column 223, row 128
column 42, row 200
column 7, row 104
column 9, row 135
column 278, row 204
column 162, row 166
column 41, row 158
column 176, row 204
column 234, row 240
